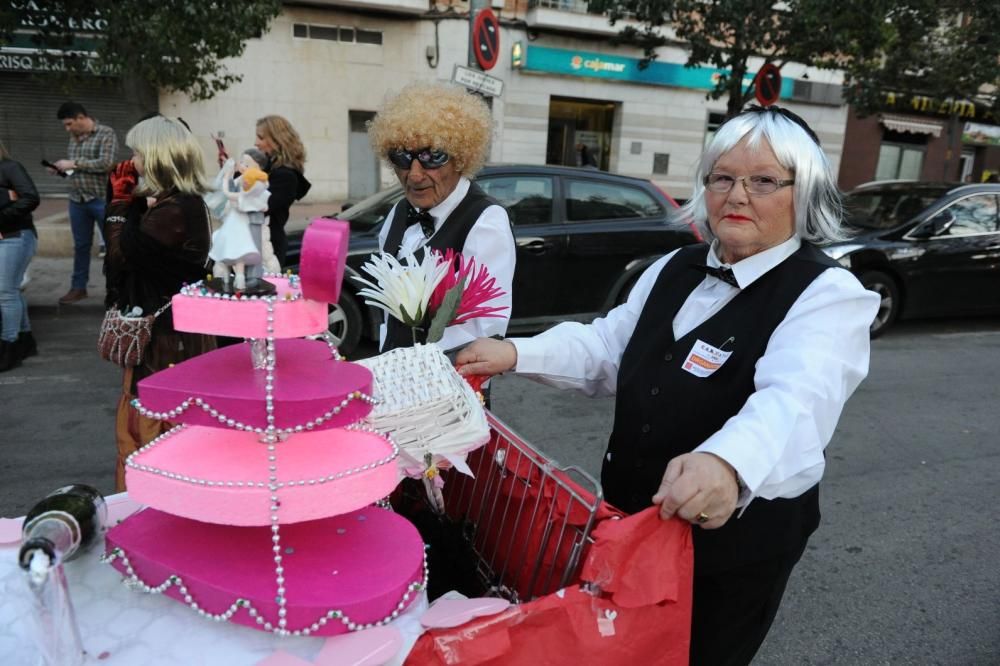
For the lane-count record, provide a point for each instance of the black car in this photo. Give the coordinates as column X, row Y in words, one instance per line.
column 928, row 249
column 583, row 237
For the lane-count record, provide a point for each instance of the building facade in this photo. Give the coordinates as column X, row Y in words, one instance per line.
column 328, row 66
column 921, row 138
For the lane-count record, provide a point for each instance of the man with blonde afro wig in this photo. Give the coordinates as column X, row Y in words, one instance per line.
column 435, row 137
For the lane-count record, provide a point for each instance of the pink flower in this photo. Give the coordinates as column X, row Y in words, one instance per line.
column 480, row 287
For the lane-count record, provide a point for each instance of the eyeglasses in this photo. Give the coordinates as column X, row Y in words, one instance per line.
column 721, row 183
column 428, row 158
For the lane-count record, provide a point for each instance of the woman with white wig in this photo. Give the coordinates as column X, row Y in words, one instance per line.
column 731, row 362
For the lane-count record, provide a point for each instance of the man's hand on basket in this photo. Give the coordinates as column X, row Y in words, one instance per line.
column 487, row 356
column 701, row 488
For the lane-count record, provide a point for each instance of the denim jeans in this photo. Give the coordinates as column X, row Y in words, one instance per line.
column 15, row 253
column 82, row 218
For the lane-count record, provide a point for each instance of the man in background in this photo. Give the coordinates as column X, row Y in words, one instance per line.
column 91, row 154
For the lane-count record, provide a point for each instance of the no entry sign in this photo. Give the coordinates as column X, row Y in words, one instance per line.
column 486, row 38
column 767, row 85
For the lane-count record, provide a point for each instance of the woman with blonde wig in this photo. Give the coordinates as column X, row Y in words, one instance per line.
column 435, row 137
column 158, row 237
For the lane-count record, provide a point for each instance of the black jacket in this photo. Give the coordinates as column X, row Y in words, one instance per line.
column 16, row 215
column 286, row 186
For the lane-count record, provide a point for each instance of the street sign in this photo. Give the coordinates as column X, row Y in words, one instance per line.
column 486, row 38
column 477, row 81
column 767, row 85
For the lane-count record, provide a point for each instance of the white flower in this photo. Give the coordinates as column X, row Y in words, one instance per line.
column 402, row 289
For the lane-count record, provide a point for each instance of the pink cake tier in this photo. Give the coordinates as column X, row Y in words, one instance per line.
column 197, row 309
column 221, row 476
column 340, row 574
column 311, row 389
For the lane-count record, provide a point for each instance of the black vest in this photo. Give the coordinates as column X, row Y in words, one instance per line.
column 450, row 235
column 662, row 411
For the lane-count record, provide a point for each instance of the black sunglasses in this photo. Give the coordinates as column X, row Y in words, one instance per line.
column 428, row 158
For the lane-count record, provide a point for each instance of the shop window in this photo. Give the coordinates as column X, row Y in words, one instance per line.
column 369, row 36
column 592, row 200
column 897, row 162
column 714, row 121
column 323, row 32
column 661, row 163
column 334, row 33
column 528, row 199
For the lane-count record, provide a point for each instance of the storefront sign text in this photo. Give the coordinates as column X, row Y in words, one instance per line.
column 933, row 106
column 621, row 68
column 29, row 62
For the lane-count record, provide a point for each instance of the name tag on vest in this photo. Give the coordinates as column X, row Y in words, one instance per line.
column 704, row 359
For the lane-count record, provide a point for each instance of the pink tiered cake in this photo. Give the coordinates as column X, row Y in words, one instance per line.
column 261, row 500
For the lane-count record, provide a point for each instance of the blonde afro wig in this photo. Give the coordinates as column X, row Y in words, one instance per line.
column 439, row 116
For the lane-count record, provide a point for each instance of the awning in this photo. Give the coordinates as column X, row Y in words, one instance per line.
column 904, row 124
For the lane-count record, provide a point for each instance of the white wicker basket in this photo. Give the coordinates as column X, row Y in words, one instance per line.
column 425, row 405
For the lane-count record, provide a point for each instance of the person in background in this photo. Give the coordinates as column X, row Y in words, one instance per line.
column 18, row 241
column 158, row 237
column 587, row 158
column 91, row 156
column 436, row 137
column 730, row 364
column 286, row 175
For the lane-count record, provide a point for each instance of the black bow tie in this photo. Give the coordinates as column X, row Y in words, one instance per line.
column 724, row 274
column 425, row 219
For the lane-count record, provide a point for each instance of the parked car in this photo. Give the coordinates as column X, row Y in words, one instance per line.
column 928, row 249
column 583, row 237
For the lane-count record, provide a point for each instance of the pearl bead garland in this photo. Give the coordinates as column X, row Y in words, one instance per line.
column 131, row 461
column 230, row 422
column 132, row 580
column 270, row 436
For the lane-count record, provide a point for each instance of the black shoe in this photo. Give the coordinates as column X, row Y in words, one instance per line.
column 9, row 356
column 26, row 344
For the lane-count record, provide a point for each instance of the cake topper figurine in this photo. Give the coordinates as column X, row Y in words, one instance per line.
column 240, row 199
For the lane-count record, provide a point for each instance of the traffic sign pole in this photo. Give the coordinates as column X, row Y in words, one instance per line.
column 475, row 6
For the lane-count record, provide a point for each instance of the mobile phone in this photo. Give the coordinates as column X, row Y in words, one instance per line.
column 59, row 172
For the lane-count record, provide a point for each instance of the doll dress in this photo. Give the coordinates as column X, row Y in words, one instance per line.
column 232, row 242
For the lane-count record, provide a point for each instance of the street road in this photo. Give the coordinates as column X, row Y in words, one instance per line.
column 903, row 569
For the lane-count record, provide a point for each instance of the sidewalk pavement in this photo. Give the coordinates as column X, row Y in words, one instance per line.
column 55, row 239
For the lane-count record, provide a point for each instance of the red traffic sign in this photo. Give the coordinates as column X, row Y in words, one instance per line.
column 486, row 38
column 767, row 85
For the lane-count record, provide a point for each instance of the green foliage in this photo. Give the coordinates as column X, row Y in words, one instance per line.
column 947, row 48
column 446, row 312
column 171, row 44
column 943, row 50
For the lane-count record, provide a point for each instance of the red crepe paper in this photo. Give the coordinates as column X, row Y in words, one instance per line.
column 646, row 564
column 640, row 560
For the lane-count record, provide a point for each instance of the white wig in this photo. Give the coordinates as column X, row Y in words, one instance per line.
column 818, row 208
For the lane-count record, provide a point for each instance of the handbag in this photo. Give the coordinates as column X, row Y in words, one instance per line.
column 123, row 339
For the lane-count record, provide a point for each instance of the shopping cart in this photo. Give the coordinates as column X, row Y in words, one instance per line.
column 527, row 520
column 588, row 584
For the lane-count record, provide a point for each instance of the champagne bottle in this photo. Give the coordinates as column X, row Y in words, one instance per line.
column 61, row 526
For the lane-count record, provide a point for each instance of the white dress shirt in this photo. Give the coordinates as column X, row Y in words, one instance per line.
column 813, row 362
column 490, row 242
